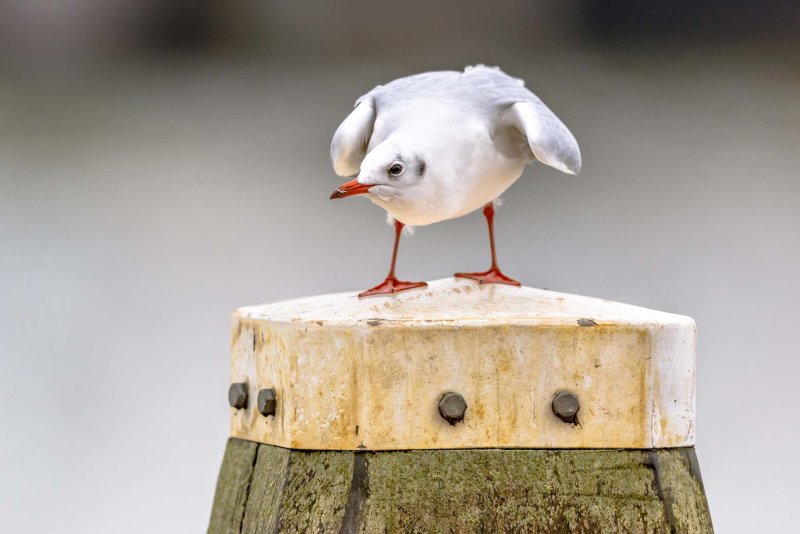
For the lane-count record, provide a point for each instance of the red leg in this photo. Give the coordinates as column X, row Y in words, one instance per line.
column 392, row 284
column 493, row 275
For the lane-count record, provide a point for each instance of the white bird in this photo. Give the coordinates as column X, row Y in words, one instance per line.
column 438, row 145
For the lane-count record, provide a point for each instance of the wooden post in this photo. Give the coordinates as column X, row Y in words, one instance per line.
column 461, row 408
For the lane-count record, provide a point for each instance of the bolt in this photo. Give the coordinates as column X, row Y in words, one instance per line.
column 566, row 406
column 452, row 407
column 237, row 395
column 267, row 402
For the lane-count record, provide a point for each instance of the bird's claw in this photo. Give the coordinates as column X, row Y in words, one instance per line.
column 492, row 276
column 391, row 286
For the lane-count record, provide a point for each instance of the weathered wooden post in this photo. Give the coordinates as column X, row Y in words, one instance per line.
column 461, row 408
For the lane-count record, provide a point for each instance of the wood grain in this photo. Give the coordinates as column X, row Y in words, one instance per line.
column 460, row 491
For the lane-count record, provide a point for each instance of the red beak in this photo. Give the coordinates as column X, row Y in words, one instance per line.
column 349, row 189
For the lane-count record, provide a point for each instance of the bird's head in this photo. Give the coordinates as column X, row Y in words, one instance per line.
column 392, row 174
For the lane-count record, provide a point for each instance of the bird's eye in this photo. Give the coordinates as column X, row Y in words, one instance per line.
column 396, row 169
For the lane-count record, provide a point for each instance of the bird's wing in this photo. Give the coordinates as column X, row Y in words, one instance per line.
column 349, row 144
column 549, row 140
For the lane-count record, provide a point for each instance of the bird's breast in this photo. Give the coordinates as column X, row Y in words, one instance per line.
column 451, row 196
column 486, row 184
column 466, row 167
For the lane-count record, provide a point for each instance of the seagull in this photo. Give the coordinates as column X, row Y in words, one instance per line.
column 438, row 145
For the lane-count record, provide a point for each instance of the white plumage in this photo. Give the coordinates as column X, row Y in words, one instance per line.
column 459, row 139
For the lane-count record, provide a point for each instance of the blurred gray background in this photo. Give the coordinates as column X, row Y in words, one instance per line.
column 163, row 162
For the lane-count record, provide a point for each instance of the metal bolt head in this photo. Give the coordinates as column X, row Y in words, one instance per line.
column 267, row 402
column 566, row 406
column 452, row 407
column 237, row 395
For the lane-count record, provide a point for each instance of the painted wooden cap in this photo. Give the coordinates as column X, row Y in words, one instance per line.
column 458, row 365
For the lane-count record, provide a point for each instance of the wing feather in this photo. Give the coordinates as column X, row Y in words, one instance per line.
column 349, row 144
column 548, row 138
